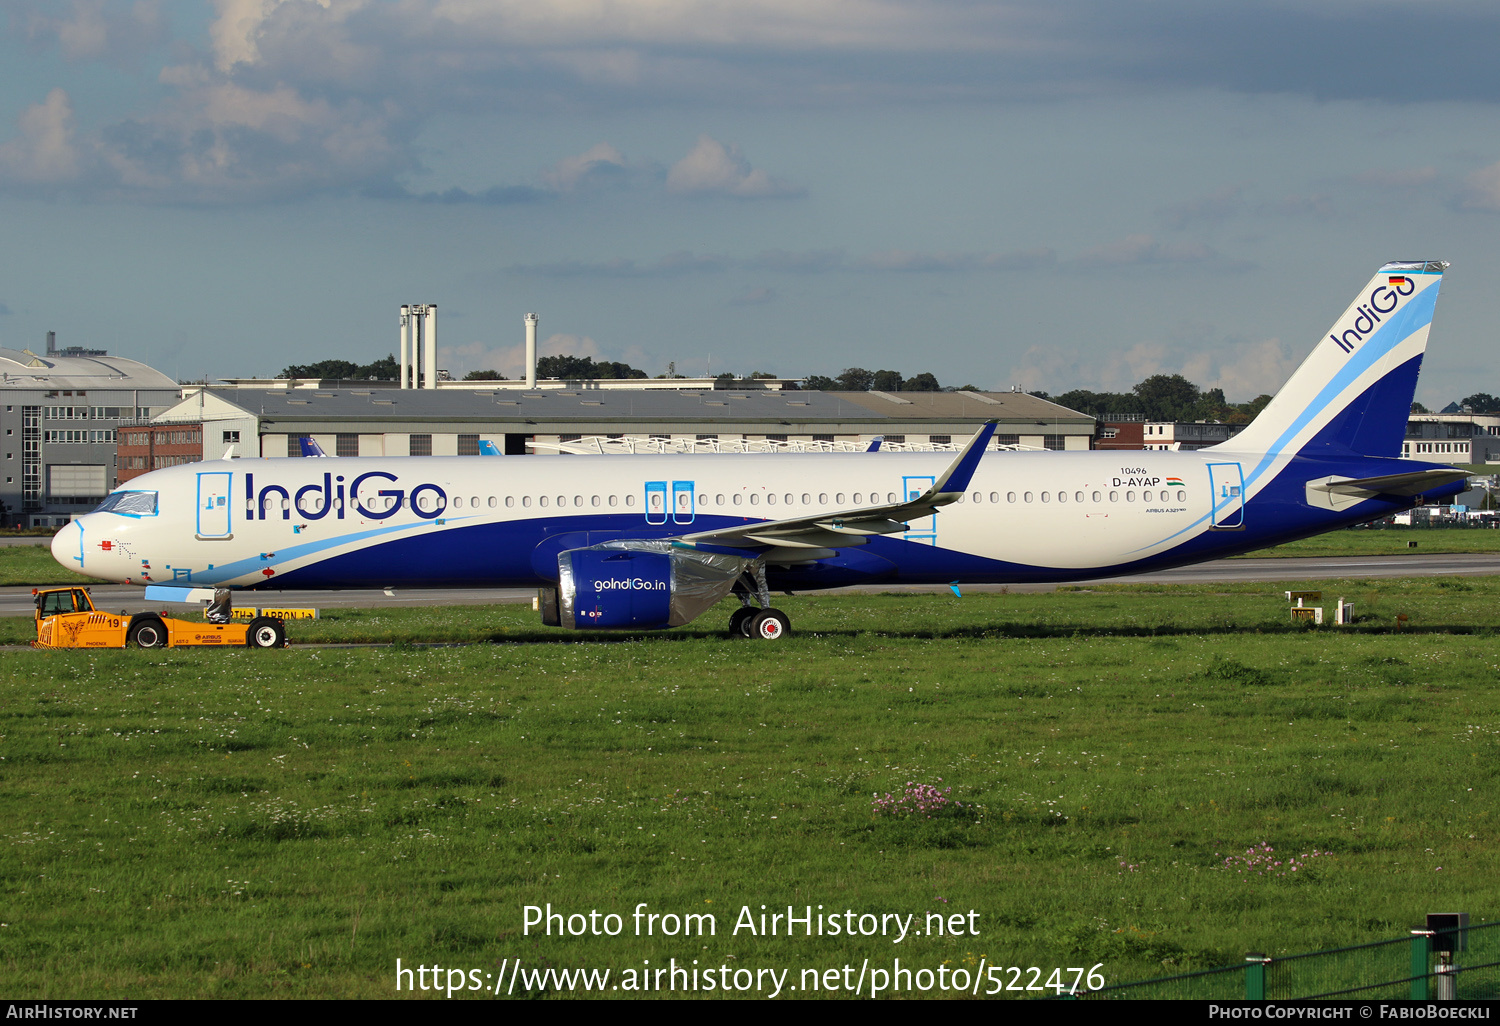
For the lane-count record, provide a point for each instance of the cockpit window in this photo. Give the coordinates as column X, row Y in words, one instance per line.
column 136, row 504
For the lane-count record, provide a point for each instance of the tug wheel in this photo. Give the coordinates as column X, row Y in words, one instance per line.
column 265, row 632
column 148, row 634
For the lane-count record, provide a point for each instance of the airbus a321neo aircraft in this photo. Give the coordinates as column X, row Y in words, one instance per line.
column 639, row 542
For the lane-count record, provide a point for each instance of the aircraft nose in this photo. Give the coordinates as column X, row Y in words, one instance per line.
column 67, row 545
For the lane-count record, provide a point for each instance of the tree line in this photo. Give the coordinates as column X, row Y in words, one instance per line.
column 1163, row 397
column 1479, row 402
column 1169, row 397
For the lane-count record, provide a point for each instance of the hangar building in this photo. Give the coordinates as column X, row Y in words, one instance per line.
column 373, row 421
column 59, row 415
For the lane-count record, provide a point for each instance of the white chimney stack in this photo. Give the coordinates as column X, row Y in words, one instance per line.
column 531, row 321
column 405, row 322
column 429, row 340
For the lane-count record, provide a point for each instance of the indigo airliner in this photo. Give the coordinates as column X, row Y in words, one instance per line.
column 640, row 542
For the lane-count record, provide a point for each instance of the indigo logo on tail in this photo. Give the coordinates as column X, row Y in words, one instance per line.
column 1383, row 300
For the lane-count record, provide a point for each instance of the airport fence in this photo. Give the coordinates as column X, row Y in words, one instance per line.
column 1399, row 968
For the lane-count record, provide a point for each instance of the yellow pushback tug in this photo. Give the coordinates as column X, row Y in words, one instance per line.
column 66, row 618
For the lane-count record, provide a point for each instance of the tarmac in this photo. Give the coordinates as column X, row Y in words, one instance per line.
column 131, row 599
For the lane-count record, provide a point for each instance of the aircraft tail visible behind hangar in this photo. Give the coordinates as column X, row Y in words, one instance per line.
column 1353, row 393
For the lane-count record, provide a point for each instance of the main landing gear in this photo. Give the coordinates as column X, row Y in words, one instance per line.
column 764, row 623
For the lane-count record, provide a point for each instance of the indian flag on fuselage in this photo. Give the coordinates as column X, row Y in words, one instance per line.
column 1176, row 482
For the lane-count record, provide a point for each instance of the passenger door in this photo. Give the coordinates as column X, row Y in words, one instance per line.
column 1227, row 484
column 213, row 506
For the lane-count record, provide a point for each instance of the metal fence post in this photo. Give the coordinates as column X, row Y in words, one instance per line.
column 1255, row 975
column 1421, row 945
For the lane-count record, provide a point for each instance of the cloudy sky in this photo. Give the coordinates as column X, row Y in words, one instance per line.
column 1058, row 194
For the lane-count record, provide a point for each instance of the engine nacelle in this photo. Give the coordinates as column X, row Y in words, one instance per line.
column 636, row 585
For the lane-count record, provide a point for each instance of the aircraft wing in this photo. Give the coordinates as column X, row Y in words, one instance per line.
column 1414, row 483
column 820, row 535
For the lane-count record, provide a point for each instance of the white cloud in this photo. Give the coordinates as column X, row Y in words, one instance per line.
column 98, row 29
column 43, row 153
column 1243, row 370
column 1482, row 188
column 1215, row 207
column 755, row 297
column 713, row 169
column 1145, row 249
column 600, row 163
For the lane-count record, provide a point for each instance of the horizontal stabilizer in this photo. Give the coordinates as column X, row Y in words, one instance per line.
column 1414, row 483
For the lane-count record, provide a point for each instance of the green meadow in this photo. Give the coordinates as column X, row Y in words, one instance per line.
column 1093, row 767
column 1388, row 541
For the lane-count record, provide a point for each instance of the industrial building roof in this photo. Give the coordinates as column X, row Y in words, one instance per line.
column 583, row 406
column 21, row 368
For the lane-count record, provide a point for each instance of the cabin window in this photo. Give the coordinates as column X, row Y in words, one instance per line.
column 1097, row 497
column 630, row 500
column 754, row 499
column 1010, row 496
column 839, row 498
column 1114, row 496
column 718, row 500
column 577, row 500
column 458, row 502
column 1182, row 496
column 770, row 498
column 1061, row 496
column 1028, row 496
column 856, row 498
column 1078, row 497
column 542, row 500
column 978, row 496
column 1046, row 496
column 737, row 498
column 806, row 499
column 614, row 499
column 1130, row 496
column 594, row 500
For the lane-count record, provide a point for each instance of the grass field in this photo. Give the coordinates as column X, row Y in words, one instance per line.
column 290, row 823
column 32, row 565
column 1387, row 541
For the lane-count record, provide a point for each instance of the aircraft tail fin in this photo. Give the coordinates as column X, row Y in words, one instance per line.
column 1353, row 393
